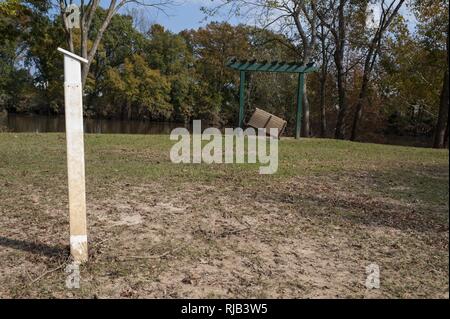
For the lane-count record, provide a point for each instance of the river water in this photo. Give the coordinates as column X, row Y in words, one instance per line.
column 20, row 123
column 45, row 124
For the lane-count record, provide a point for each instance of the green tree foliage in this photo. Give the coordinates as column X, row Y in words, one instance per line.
column 170, row 54
column 155, row 74
column 23, row 24
column 119, row 42
column 413, row 67
column 212, row 46
column 142, row 90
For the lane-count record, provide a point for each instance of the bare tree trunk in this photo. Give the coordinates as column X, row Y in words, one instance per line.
column 368, row 66
column 87, row 13
column 323, row 119
column 90, row 56
column 69, row 33
column 323, row 82
column 340, row 37
column 446, row 136
column 86, row 16
column 306, row 121
column 342, row 100
column 359, row 106
column 386, row 18
column 70, row 41
column 129, row 111
column 440, row 134
column 309, row 46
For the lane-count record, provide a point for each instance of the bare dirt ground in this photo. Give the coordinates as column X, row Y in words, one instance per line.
column 296, row 237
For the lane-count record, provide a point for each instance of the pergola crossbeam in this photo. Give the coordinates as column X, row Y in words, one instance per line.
column 275, row 66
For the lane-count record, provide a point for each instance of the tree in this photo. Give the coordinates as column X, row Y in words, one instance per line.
column 334, row 16
column 211, row 47
column 441, row 132
column 89, row 40
column 296, row 19
column 408, row 82
column 120, row 41
column 169, row 53
column 388, row 11
column 144, row 91
column 324, row 51
column 434, row 35
column 19, row 22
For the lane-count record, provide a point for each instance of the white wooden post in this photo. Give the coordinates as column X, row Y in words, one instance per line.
column 73, row 98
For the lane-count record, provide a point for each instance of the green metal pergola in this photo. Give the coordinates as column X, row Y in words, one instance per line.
column 244, row 66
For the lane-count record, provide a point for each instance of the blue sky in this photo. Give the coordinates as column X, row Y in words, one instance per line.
column 187, row 15
column 184, row 16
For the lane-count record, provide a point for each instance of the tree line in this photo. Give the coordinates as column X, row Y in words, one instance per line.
column 379, row 75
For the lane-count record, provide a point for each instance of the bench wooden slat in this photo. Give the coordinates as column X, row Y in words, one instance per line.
column 263, row 119
column 259, row 119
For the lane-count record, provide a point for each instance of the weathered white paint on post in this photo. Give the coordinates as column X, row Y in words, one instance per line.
column 73, row 98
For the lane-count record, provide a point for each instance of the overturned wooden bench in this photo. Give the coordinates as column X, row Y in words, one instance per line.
column 263, row 119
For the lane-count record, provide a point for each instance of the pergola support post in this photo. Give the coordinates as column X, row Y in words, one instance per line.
column 242, row 99
column 301, row 83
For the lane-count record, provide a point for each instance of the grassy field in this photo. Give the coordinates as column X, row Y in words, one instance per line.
column 157, row 229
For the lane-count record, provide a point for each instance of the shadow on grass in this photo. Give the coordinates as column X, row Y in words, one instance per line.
column 406, row 198
column 34, row 248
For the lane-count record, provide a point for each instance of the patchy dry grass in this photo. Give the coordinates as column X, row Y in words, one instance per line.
column 162, row 230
